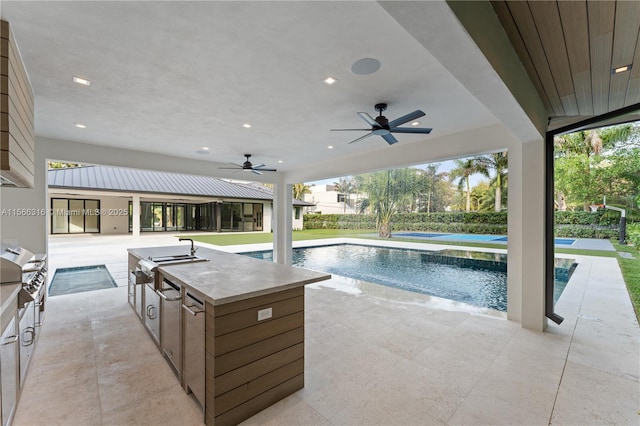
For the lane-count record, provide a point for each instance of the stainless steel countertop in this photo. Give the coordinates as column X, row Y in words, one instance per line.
column 8, row 302
column 228, row 277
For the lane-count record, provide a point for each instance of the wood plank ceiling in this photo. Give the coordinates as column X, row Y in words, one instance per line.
column 570, row 49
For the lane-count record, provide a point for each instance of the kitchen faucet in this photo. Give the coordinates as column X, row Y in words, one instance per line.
column 193, row 249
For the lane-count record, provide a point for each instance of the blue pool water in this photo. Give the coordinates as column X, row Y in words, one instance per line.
column 451, row 274
column 471, row 237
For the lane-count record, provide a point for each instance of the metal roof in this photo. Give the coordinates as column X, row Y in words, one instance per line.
column 120, row 179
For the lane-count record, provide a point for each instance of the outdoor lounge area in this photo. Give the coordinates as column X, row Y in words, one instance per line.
column 386, row 357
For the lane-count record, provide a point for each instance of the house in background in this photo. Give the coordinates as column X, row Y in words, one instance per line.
column 325, row 199
column 100, row 199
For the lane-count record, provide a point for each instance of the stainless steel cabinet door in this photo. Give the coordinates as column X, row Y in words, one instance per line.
column 9, row 372
column 194, row 347
column 152, row 312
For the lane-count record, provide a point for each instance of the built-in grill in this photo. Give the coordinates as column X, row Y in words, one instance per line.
column 19, row 265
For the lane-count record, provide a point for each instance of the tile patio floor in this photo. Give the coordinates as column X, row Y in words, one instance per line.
column 374, row 355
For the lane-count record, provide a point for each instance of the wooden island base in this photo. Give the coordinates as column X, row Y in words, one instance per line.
column 251, row 363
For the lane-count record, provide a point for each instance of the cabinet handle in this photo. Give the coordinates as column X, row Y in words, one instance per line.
column 151, row 312
column 188, row 309
column 10, row 339
column 168, row 299
column 31, row 331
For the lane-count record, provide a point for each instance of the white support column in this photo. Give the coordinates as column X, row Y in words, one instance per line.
column 282, row 238
column 135, row 219
column 514, row 230
column 533, row 239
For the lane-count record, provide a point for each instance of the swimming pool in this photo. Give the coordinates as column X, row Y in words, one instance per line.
column 475, row 278
column 471, row 237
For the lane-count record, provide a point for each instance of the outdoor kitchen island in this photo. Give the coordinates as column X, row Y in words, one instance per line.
column 230, row 326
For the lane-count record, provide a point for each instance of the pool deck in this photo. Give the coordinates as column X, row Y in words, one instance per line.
column 386, row 356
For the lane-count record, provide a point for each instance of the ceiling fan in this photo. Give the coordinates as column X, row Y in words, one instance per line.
column 381, row 126
column 248, row 167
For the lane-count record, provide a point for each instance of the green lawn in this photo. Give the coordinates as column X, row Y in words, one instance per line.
column 630, row 267
column 631, row 272
column 228, row 239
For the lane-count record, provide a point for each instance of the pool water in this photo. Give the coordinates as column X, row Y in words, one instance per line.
column 80, row 279
column 479, row 282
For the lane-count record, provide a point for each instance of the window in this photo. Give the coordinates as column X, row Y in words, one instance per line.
column 298, row 210
column 342, row 198
column 74, row 216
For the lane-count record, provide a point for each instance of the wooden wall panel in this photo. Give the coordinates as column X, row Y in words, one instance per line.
column 17, row 138
column 504, row 15
column 524, row 21
column 601, row 23
column 625, row 41
column 575, row 25
column 547, row 21
column 251, row 364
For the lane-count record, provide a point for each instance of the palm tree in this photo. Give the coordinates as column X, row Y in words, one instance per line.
column 463, row 171
column 381, row 198
column 344, row 186
column 299, row 189
column 499, row 162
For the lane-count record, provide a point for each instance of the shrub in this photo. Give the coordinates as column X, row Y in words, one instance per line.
column 633, row 234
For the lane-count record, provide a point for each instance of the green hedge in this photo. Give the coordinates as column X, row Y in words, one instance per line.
column 601, row 217
column 577, row 231
column 633, row 235
column 600, row 224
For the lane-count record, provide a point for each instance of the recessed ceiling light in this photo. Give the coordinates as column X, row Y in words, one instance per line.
column 365, row 66
column 81, row 80
column 330, row 80
column 81, row 126
column 246, row 125
column 203, row 151
column 330, row 147
column 415, row 123
column 280, row 161
column 621, row 69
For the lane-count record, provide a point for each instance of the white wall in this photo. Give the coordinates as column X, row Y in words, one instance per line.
column 27, row 230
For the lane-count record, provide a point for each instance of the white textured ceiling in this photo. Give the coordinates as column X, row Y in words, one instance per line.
column 172, row 77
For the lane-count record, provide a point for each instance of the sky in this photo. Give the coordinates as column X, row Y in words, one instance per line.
column 445, row 166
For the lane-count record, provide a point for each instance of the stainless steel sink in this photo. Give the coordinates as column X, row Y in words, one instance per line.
column 177, row 258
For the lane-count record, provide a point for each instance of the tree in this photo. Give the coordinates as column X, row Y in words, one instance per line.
column 381, row 198
column 61, row 165
column 582, row 174
column 299, row 189
column 499, row 163
column 434, row 190
column 345, row 186
column 463, row 171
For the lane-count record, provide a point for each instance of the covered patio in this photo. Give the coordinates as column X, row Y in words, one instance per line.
column 375, row 355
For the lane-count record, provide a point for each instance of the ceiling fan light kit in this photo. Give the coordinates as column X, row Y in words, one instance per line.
column 381, row 126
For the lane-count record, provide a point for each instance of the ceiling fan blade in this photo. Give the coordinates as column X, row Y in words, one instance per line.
column 255, row 171
column 422, row 130
column 230, row 168
column 267, row 170
column 258, row 166
column 389, row 138
column 350, row 130
column 405, row 118
column 362, row 137
column 366, row 117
